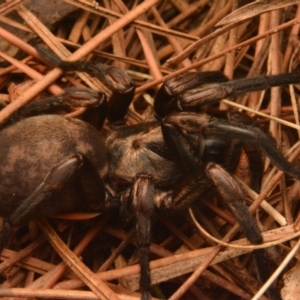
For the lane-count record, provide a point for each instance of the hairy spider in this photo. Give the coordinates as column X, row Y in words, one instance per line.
column 51, row 164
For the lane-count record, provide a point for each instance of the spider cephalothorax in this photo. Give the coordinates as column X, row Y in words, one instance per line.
column 51, row 164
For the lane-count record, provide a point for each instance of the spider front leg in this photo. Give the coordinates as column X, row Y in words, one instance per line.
column 115, row 79
column 94, row 102
column 197, row 91
column 167, row 98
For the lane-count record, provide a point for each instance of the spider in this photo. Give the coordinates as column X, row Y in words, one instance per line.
column 51, row 164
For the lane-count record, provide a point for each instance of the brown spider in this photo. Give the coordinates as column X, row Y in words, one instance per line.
column 51, row 164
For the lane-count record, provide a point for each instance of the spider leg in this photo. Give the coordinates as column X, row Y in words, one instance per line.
column 250, row 135
column 143, row 194
column 210, row 94
column 193, row 91
column 243, row 160
column 165, row 99
column 116, row 80
column 254, row 160
column 94, row 101
column 192, row 163
column 253, row 136
column 195, row 183
column 232, row 194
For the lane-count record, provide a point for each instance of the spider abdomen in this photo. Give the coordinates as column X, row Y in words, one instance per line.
column 34, row 146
